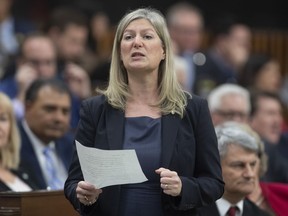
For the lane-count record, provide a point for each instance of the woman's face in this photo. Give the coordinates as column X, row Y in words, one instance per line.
column 141, row 48
column 5, row 126
column 269, row 78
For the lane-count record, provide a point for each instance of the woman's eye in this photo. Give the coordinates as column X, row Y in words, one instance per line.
column 148, row 37
column 127, row 37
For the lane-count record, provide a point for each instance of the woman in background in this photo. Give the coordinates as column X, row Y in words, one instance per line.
column 262, row 73
column 11, row 179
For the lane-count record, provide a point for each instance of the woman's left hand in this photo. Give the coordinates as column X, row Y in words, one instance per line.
column 170, row 181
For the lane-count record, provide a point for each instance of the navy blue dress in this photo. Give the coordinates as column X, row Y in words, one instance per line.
column 144, row 135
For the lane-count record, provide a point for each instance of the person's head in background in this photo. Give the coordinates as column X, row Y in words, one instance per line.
column 100, row 25
column 231, row 39
column 261, row 72
column 186, row 25
column 47, row 109
column 229, row 102
column 5, row 9
column 37, row 51
column 239, row 153
column 9, row 135
column 68, row 29
column 266, row 115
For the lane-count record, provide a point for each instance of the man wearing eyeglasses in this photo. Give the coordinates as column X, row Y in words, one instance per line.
column 36, row 59
column 229, row 102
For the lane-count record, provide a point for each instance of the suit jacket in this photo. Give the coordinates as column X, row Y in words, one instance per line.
column 23, row 176
column 249, row 209
column 282, row 145
column 277, row 164
column 30, row 163
column 189, row 147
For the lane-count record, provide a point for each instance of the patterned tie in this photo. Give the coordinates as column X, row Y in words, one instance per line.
column 53, row 182
column 232, row 211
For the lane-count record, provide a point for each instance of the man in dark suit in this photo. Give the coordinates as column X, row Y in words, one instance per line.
column 228, row 51
column 46, row 148
column 239, row 151
column 266, row 119
column 186, row 24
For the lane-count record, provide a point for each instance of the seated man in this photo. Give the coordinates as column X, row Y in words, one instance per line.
column 229, row 50
column 266, row 119
column 267, row 116
column 239, row 157
column 229, row 102
column 46, row 148
column 38, row 59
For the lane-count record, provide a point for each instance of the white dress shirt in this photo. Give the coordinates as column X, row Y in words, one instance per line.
column 223, row 207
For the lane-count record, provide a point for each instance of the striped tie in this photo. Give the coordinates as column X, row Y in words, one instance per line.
column 53, row 182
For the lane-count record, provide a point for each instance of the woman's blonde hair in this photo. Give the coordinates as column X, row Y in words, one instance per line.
column 9, row 153
column 172, row 99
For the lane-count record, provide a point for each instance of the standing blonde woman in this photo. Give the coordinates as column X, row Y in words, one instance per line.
column 11, row 179
column 144, row 108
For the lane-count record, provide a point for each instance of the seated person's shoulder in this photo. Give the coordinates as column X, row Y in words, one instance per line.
column 22, row 174
column 251, row 209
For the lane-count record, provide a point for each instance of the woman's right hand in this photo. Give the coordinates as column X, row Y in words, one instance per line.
column 87, row 193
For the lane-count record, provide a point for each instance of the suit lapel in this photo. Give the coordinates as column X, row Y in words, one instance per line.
column 210, row 210
column 29, row 159
column 247, row 209
column 170, row 125
column 115, row 127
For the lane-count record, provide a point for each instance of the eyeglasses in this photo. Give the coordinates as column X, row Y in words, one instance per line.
column 230, row 115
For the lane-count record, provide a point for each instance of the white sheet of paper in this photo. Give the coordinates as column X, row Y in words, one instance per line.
column 109, row 167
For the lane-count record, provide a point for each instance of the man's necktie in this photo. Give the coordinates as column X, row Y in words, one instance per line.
column 53, row 182
column 232, row 211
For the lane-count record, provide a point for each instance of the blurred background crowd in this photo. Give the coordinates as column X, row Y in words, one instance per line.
column 234, row 54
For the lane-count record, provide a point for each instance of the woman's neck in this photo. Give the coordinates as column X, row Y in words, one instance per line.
column 145, row 92
column 144, row 96
column 142, row 102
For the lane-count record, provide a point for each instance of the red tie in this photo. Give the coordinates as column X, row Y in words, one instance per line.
column 232, row 211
